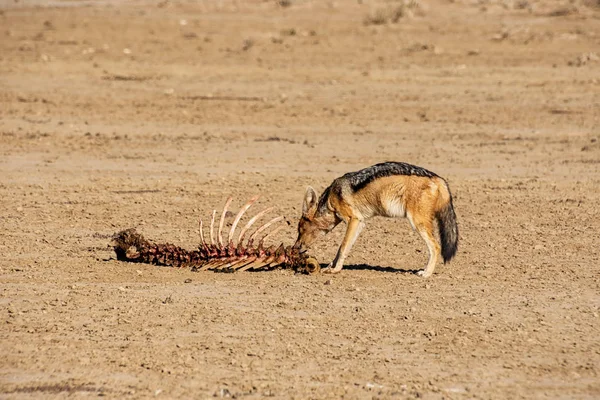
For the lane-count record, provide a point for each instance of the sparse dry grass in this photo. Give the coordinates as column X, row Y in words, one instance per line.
column 394, row 13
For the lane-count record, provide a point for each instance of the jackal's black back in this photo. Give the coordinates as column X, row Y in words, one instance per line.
column 362, row 178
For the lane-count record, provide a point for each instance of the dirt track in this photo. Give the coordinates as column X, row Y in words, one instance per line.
column 151, row 114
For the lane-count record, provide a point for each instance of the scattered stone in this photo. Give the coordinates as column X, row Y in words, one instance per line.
column 584, row 59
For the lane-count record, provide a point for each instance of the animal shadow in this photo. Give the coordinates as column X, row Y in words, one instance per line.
column 378, row 268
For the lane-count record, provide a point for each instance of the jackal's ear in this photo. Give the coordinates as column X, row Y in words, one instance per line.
column 310, row 201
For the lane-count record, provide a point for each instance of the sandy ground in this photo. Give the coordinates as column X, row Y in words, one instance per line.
column 148, row 115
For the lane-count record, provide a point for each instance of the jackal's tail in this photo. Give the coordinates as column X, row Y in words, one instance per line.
column 448, row 228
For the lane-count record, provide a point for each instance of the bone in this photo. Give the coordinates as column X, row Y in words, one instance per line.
column 225, row 207
column 262, row 228
column 226, row 262
column 212, row 225
column 202, row 242
column 239, row 216
column 217, row 255
column 222, row 263
column 275, row 264
column 273, row 232
column 255, row 263
column 312, row 265
column 259, row 263
column 231, row 262
column 244, row 261
column 204, row 266
column 251, row 222
column 210, row 264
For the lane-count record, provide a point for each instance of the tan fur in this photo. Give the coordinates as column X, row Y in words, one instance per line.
column 417, row 198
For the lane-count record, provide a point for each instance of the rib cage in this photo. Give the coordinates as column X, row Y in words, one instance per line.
column 227, row 257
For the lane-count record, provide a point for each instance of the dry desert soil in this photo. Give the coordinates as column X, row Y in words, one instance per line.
column 148, row 114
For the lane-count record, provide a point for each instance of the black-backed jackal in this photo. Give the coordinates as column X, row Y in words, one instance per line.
column 390, row 189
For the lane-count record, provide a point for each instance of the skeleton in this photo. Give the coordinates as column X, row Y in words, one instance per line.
column 216, row 255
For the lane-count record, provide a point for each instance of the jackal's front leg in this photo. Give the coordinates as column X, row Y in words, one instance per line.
column 355, row 225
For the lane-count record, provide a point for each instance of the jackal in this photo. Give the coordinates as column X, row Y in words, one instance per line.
column 390, row 189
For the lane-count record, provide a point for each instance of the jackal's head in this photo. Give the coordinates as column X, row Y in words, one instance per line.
column 313, row 223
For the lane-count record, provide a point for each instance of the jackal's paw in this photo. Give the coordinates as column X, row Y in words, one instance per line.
column 423, row 273
column 330, row 270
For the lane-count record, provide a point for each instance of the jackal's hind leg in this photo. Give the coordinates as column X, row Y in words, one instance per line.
column 425, row 229
column 355, row 225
